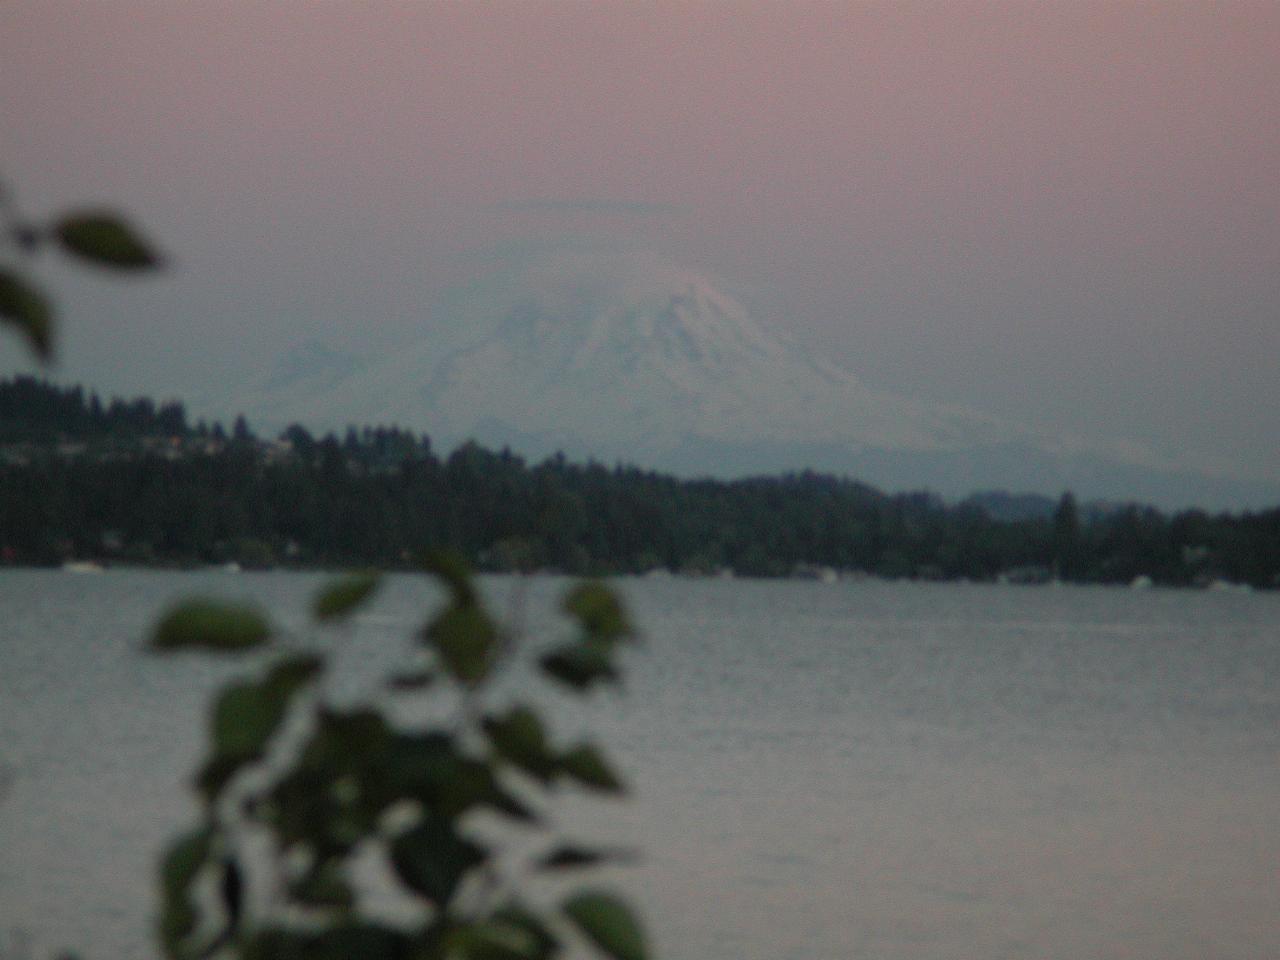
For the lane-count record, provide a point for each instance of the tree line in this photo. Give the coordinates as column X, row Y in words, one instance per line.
column 134, row 481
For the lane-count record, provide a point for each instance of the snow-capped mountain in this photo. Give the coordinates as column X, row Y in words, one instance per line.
column 618, row 355
column 635, row 358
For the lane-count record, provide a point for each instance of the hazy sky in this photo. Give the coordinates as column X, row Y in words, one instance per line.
column 1065, row 214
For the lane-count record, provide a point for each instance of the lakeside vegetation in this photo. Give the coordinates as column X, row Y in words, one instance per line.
column 407, row 790
column 135, row 482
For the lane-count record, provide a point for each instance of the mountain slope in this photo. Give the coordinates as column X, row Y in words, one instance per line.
column 619, row 354
column 635, row 358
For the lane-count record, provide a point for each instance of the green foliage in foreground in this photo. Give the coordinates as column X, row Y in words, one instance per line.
column 296, row 790
column 98, row 237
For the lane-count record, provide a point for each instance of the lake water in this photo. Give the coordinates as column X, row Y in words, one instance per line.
column 861, row 770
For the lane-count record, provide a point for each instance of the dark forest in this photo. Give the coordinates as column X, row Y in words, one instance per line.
column 134, row 482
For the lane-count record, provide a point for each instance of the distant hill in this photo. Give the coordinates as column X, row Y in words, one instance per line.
column 1005, row 506
column 36, row 411
column 131, row 483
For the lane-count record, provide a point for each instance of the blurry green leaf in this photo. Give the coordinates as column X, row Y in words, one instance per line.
column 210, row 625
column 290, row 674
column 451, row 569
column 506, row 802
column 465, row 638
column 106, row 239
column 177, row 921
column 609, row 923
column 569, row 856
column 216, row 774
column 430, row 769
column 495, row 939
column 25, row 307
column 598, row 610
column 276, row 944
column 244, row 717
column 301, row 809
column 585, row 764
column 415, row 680
column 579, row 665
column 342, row 782
column 324, row 886
column 519, row 737
column 517, row 916
column 356, row 941
column 344, row 596
column 182, row 863
column 347, row 741
column 183, row 860
column 432, row 859
column 247, row 715
column 231, row 893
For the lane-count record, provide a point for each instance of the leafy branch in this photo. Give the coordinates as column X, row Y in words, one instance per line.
column 296, row 789
column 98, row 237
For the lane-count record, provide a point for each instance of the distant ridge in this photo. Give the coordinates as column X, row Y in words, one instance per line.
column 132, row 482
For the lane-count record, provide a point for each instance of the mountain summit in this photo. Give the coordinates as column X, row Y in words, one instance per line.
column 622, row 355
column 636, row 358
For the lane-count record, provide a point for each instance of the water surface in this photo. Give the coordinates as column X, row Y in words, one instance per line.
column 822, row 771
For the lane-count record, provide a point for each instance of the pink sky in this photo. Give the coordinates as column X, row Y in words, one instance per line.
column 1067, row 212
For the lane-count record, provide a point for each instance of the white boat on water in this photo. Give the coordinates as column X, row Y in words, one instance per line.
column 81, row 566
